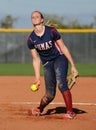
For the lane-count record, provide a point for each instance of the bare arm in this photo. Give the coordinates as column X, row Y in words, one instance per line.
column 36, row 65
column 66, row 52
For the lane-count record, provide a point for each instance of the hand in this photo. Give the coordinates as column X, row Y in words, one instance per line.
column 74, row 70
column 37, row 82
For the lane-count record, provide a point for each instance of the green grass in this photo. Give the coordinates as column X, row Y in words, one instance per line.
column 27, row 69
column 86, row 69
column 17, row 69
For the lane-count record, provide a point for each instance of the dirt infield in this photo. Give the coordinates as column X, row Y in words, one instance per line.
column 16, row 100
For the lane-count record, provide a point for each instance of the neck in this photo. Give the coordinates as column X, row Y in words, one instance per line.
column 39, row 30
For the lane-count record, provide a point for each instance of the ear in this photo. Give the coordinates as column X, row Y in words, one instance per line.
column 42, row 20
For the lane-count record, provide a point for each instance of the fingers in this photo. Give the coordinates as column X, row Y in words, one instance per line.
column 74, row 70
column 37, row 82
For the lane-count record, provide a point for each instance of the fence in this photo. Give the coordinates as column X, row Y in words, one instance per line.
column 81, row 43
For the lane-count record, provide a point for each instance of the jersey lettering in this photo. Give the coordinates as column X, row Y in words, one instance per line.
column 44, row 46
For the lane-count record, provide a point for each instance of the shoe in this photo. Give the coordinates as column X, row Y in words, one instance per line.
column 70, row 115
column 36, row 112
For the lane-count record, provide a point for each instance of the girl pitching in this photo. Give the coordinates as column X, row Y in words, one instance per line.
column 54, row 55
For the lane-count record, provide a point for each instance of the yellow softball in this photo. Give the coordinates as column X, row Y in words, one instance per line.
column 34, row 87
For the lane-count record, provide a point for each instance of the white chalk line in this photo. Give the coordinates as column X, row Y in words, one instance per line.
column 55, row 103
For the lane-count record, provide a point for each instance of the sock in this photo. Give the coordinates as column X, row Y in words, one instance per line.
column 68, row 100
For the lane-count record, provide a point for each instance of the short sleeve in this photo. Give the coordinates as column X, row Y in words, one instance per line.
column 30, row 43
column 55, row 34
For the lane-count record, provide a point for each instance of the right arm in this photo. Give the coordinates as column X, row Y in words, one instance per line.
column 36, row 66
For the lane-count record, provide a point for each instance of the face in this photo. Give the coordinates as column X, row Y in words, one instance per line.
column 36, row 18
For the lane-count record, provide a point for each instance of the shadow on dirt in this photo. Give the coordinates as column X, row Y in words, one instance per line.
column 60, row 110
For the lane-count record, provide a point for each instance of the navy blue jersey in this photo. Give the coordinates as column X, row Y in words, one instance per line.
column 45, row 45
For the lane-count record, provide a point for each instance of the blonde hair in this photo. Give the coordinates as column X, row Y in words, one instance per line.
column 49, row 23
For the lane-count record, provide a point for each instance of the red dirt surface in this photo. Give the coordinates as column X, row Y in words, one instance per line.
column 16, row 100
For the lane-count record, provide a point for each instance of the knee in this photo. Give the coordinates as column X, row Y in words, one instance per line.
column 63, row 87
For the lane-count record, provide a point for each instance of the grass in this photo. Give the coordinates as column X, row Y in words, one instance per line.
column 86, row 69
column 16, row 69
column 27, row 69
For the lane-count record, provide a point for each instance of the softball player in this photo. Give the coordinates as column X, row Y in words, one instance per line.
column 54, row 55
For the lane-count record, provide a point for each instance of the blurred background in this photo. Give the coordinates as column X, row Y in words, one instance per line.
column 74, row 19
column 67, row 12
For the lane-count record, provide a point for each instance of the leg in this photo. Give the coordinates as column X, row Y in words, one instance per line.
column 61, row 67
column 50, row 83
column 68, row 100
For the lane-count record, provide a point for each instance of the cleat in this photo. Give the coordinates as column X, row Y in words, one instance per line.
column 70, row 115
column 36, row 112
